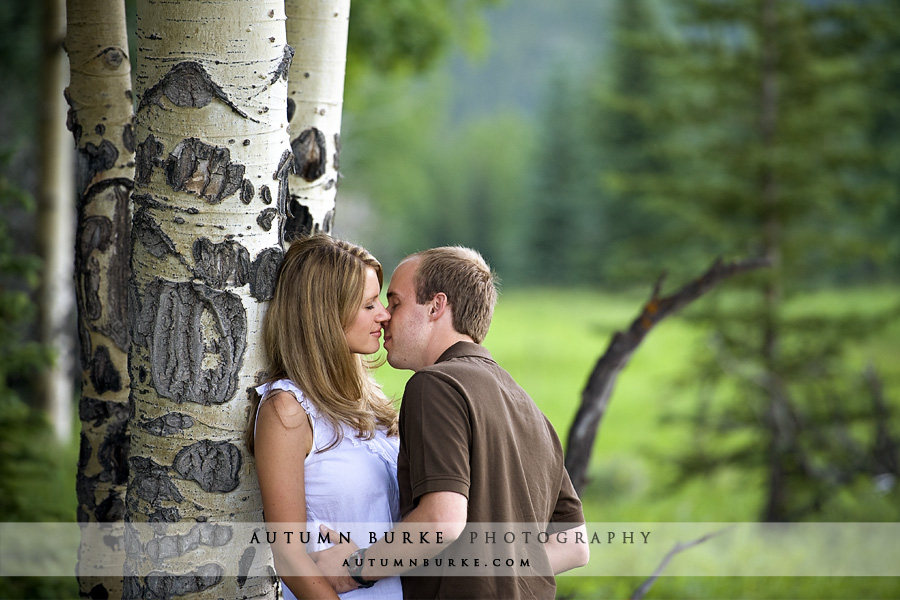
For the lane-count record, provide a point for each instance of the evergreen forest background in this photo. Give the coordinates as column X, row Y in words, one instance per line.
column 586, row 147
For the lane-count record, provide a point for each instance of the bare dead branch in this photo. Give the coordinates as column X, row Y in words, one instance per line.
column 596, row 394
column 680, row 547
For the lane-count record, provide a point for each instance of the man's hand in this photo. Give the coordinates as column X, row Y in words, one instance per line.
column 331, row 561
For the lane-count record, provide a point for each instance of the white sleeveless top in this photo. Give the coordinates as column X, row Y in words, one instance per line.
column 352, row 486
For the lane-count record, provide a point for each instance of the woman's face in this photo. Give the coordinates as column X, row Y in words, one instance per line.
column 364, row 331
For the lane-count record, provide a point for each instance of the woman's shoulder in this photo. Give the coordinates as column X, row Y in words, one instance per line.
column 285, row 390
column 288, row 401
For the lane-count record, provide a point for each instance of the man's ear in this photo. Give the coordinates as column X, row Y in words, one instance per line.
column 438, row 306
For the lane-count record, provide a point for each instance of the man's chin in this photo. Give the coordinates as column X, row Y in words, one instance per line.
column 394, row 360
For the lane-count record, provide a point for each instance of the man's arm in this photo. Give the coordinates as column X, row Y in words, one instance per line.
column 568, row 549
column 435, row 523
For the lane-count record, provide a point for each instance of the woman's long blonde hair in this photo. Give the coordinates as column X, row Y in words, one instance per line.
column 319, row 288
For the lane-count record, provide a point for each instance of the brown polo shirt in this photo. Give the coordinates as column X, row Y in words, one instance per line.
column 467, row 427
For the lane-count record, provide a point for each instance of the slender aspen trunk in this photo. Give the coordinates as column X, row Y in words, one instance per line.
column 210, row 193
column 56, row 227
column 778, row 415
column 317, row 29
column 101, row 118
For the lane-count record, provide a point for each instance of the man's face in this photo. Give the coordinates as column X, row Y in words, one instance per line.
column 406, row 334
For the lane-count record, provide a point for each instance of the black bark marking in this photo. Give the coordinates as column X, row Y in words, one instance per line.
column 219, row 265
column 337, row 153
column 84, row 341
column 100, row 129
column 205, row 534
column 264, row 272
column 97, row 234
column 128, row 137
column 112, row 508
column 265, row 194
column 98, row 592
column 72, row 118
column 188, row 363
column 112, row 454
column 85, row 486
column 112, row 56
column 168, row 424
column 281, row 71
column 285, row 164
column 91, row 160
column 152, row 483
column 187, row 85
column 247, row 191
column 113, row 451
column 146, row 157
column 164, row 586
column 309, row 154
column 84, row 451
column 244, row 565
column 266, row 218
column 291, row 109
column 99, row 411
column 203, row 170
column 150, row 234
column 215, row 466
column 299, row 222
column 328, row 221
column 105, row 377
column 168, row 514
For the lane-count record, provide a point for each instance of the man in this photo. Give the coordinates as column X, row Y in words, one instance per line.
column 474, row 448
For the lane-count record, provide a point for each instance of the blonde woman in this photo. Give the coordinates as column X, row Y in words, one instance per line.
column 324, row 435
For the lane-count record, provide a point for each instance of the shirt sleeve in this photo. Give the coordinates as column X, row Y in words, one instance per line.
column 435, row 433
column 568, row 512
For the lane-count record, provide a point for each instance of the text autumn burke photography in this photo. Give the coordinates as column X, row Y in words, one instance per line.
column 474, row 537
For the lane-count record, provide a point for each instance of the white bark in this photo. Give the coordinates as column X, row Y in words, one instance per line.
column 317, row 29
column 56, row 227
column 100, row 118
column 210, row 191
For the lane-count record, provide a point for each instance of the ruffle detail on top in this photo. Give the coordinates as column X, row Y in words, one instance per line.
column 382, row 447
column 288, row 386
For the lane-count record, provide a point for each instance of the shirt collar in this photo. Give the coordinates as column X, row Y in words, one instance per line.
column 462, row 349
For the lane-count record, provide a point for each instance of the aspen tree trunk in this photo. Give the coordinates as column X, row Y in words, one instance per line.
column 101, row 118
column 317, row 29
column 779, row 419
column 56, row 227
column 210, row 191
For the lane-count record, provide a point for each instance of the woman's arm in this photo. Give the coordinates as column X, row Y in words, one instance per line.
column 283, row 440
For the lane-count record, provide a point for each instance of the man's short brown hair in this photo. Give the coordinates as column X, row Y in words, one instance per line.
column 466, row 279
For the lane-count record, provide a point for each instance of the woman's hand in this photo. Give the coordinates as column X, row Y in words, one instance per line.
column 332, row 562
